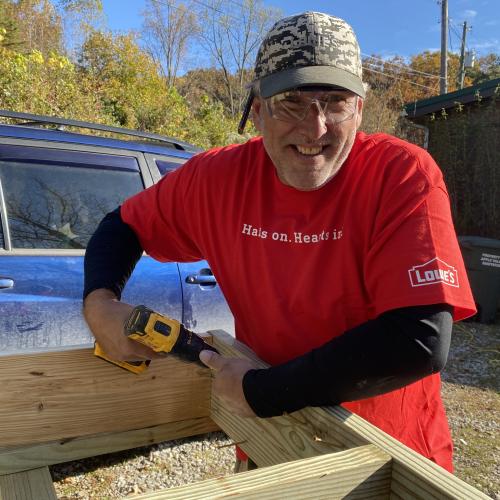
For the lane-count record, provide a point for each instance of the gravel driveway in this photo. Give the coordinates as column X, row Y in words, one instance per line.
column 471, row 386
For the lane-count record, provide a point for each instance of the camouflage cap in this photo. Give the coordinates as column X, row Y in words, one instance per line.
column 309, row 49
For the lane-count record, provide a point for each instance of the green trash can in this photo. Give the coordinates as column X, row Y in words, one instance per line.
column 482, row 261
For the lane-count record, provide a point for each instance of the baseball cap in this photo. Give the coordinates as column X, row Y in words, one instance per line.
column 308, row 49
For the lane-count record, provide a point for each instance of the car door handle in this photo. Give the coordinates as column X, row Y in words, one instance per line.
column 201, row 279
column 6, row 283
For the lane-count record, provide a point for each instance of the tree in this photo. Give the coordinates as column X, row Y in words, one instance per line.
column 50, row 85
column 230, row 34
column 79, row 18
column 32, row 25
column 168, row 28
column 486, row 68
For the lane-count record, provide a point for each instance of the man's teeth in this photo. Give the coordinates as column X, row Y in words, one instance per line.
column 309, row 150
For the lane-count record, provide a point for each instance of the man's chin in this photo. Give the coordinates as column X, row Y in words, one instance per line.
column 307, row 182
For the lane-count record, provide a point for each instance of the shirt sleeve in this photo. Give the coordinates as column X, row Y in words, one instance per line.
column 414, row 257
column 163, row 217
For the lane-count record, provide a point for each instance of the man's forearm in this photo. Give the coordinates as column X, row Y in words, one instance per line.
column 382, row 355
column 111, row 255
column 110, row 258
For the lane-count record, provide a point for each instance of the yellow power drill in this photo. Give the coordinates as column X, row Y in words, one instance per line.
column 160, row 333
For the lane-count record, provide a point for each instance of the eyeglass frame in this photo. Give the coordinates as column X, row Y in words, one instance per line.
column 321, row 106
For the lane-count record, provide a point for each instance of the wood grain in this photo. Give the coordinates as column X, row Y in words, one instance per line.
column 276, row 440
column 35, row 484
column 363, row 472
column 68, row 394
column 29, row 457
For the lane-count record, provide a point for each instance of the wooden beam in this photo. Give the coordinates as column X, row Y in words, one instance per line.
column 29, row 457
column 67, row 394
column 315, row 431
column 277, row 440
column 363, row 472
column 34, row 484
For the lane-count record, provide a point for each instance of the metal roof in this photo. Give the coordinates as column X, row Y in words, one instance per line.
column 463, row 96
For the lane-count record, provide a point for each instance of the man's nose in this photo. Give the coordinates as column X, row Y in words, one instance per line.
column 314, row 124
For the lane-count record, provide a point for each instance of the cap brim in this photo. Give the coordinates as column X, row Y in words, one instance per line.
column 310, row 75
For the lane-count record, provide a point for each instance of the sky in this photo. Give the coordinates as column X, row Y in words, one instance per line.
column 383, row 27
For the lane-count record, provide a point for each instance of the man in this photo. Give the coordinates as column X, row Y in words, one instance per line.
column 335, row 249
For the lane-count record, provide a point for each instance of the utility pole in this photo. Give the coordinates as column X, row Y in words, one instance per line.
column 461, row 72
column 443, row 85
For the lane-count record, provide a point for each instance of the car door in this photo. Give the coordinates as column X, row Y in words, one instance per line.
column 51, row 200
column 204, row 306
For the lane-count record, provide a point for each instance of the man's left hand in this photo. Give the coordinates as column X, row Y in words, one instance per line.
column 227, row 384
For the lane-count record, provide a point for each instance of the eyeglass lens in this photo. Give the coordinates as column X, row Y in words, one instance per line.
column 294, row 106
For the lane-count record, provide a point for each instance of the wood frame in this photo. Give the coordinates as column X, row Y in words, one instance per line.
column 62, row 406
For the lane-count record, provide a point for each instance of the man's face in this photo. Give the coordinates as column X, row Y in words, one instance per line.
column 307, row 153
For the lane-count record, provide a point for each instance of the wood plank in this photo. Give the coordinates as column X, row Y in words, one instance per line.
column 363, row 472
column 67, row 394
column 279, row 439
column 29, row 457
column 35, row 484
column 276, row 440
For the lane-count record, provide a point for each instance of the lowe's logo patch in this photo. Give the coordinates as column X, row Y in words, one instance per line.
column 432, row 272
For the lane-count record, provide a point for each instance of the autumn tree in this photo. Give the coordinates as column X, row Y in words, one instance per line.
column 130, row 85
column 49, row 85
column 230, row 34
column 80, row 17
column 486, row 68
column 168, row 28
column 31, row 25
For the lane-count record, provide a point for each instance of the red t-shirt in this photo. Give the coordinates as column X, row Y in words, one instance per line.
column 300, row 267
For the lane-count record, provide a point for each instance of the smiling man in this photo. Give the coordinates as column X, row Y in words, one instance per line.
column 314, row 232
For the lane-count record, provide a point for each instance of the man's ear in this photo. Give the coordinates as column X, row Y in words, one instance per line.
column 257, row 110
column 359, row 115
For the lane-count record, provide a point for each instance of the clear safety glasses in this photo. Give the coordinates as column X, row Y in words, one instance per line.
column 293, row 106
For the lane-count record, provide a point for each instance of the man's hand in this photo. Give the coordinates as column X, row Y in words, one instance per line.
column 227, row 384
column 106, row 317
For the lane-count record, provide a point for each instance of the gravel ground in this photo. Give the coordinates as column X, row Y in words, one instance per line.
column 471, row 386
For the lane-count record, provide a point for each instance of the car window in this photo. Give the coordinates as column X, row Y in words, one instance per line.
column 58, row 204
column 167, row 165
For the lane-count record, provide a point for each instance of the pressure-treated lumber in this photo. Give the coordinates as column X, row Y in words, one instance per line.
column 363, row 472
column 29, row 457
column 68, row 394
column 35, row 484
column 315, row 431
column 280, row 439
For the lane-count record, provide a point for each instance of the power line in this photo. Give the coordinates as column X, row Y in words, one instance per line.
column 407, row 68
column 399, row 78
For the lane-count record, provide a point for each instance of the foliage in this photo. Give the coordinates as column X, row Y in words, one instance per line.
column 128, row 80
column 486, row 68
column 31, row 25
column 48, row 85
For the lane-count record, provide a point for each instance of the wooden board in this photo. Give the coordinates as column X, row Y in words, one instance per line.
column 277, row 440
column 362, row 473
column 29, row 457
column 35, row 484
column 68, row 394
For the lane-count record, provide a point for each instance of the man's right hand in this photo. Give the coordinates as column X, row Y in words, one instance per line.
column 106, row 317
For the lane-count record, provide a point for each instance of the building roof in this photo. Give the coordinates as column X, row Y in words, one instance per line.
column 464, row 96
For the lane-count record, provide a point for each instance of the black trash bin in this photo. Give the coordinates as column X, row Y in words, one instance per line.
column 482, row 261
